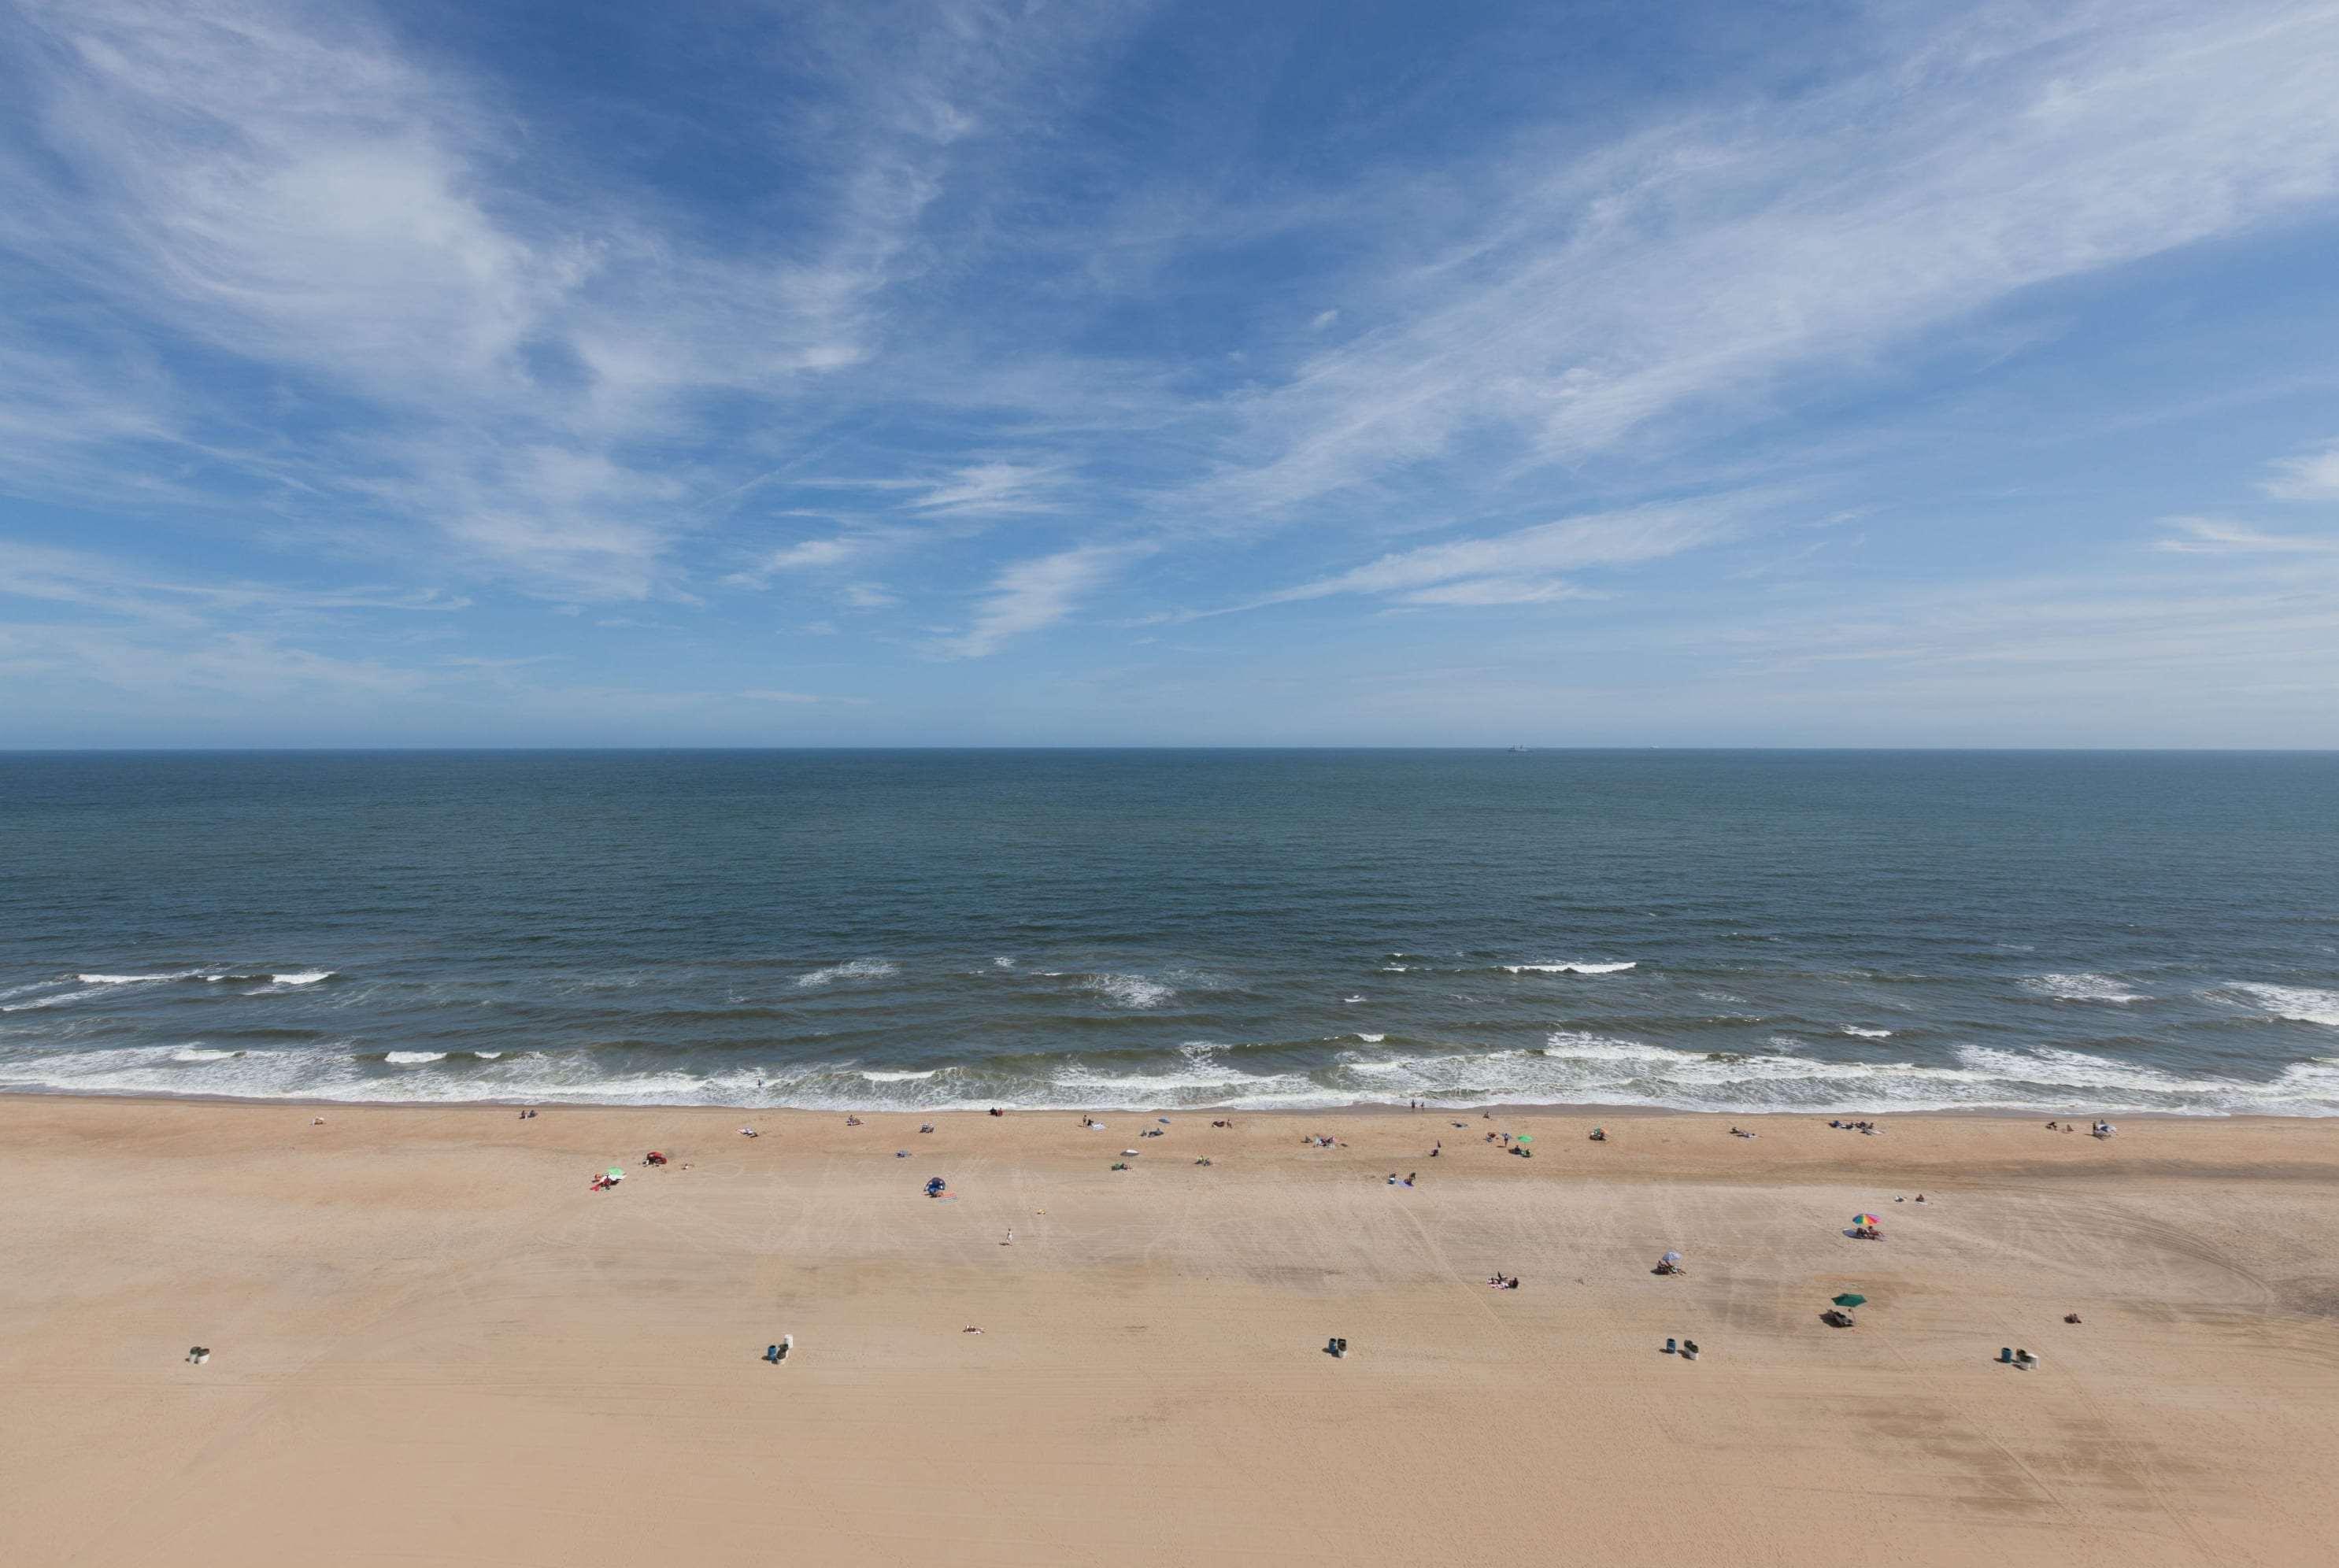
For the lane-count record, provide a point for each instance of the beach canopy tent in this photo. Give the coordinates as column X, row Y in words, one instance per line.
column 1852, row 1298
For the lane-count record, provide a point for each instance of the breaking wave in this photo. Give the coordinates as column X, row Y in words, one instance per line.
column 2299, row 1004
column 858, row 968
column 1569, row 967
column 1128, row 989
column 2082, row 988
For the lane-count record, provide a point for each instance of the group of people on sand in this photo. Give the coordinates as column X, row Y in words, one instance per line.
column 2099, row 1130
column 1409, row 1175
column 1868, row 1128
column 1499, row 1281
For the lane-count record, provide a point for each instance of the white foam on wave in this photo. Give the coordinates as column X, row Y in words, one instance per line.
column 59, row 999
column 1574, row 1067
column 413, row 1057
column 1204, row 1081
column 1571, row 968
column 858, row 968
column 2298, row 1003
column 1372, row 1038
column 1396, row 967
column 1002, row 963
column 1352, row 998
column 303, row 977
column 1859, row 1033
column 1128, row 989
column 2082, row 988
column 488, row 1055
column 131, row 979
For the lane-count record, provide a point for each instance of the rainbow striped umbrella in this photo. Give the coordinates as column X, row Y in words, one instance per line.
column 1859, row 1220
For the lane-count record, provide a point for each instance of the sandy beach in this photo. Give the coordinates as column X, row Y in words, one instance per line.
column 432, row 1344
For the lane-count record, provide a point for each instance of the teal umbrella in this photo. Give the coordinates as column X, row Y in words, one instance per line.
column 1850, row 1298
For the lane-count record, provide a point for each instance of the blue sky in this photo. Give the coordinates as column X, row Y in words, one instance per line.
column 1039, row 373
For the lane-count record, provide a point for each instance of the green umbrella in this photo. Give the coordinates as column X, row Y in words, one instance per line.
column 1850, row 1298
column 1525, row 1138
column 617, row 1174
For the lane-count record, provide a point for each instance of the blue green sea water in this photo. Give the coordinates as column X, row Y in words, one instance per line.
column 2074, row 932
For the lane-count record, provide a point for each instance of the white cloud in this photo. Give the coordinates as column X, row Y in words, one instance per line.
column 867, row 596
column 1516, row 567
column 2312, row 476
column 1035, row 593
column 811, row 554
column 1497, row 591
column 2215, row 535
column 1700, row 263
column 104, row 583
column 990, row 488
column 1323, row 319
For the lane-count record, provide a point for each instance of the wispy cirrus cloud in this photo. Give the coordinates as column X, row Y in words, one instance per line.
column 1521, row 567
column 1029, row 596
column 2218, row 536
column 2311, row 475
column 1697, row 265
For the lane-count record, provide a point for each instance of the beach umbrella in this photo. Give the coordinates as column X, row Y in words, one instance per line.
column 1852, row 1298
column 1670, row 1257
column 616, row 1173
column 1859, row 1220
column 1525, row 1138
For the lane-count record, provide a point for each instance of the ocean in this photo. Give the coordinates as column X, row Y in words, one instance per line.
column 2061, row 934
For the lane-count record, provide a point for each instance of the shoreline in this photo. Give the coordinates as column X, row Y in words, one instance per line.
column 1354, row 1107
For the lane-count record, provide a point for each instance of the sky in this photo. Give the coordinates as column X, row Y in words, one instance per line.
column 1049, row 372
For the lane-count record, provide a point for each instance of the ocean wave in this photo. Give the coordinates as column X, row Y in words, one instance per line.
column 59, row 999
column 1569, row 967
column 2299, row 1004
column 1128, row 989
column 1578, row 1066
column 2081, row 988
column 858, row 968
column 1002, row 963
column 1859, row 1033
column 132, row 978
column 288, row 978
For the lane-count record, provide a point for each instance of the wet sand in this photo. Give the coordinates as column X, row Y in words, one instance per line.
column 433, row 1345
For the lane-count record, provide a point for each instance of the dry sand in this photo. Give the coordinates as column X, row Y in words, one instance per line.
column 434, row 1346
